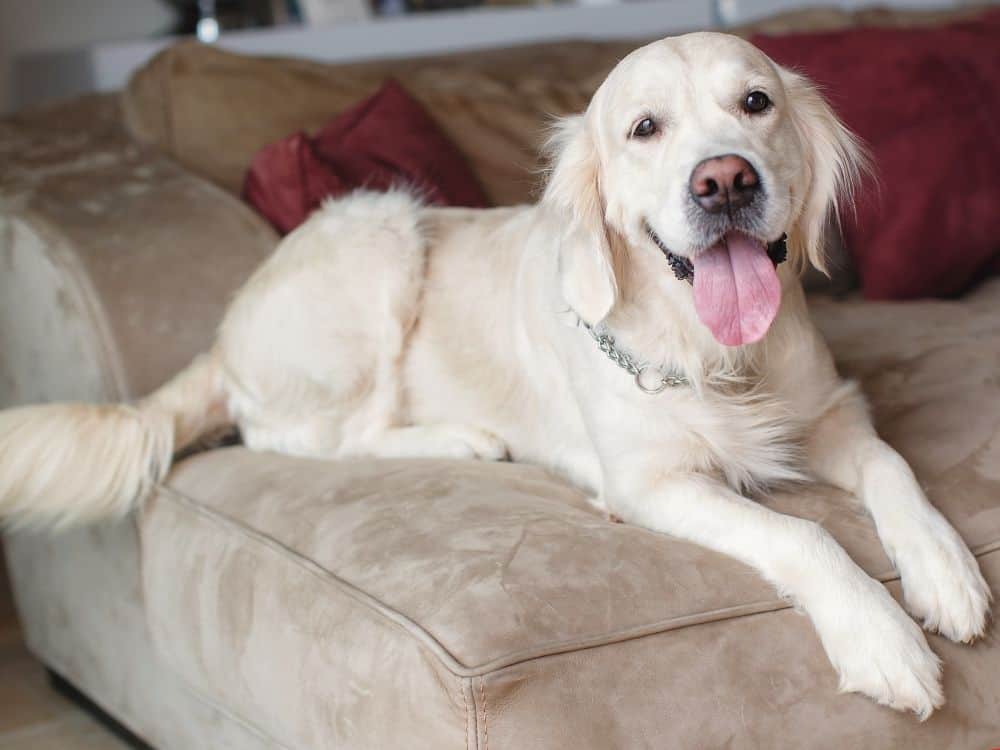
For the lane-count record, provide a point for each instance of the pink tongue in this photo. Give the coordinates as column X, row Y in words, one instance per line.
column 736, row 290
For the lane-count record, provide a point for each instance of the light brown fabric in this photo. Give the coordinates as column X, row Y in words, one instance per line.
column 304, row 583
column 80, row 600
column 754, row 683
column 81, row 296
column 119, row 263
column 260, row 630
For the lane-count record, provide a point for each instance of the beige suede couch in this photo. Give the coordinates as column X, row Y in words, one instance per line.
column 261, row 601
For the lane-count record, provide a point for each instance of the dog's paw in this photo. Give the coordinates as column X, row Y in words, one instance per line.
column 455, row 441
column 880, row 652
column 942, row 583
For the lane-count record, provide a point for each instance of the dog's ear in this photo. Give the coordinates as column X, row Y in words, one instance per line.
column 835, row 163
column 573, row 192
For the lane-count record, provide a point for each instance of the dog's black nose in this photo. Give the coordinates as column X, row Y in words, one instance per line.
column 723, row 183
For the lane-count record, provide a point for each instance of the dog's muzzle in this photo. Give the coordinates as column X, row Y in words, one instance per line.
column 683, row 268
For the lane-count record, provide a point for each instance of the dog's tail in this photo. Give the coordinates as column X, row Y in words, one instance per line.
column 66, row 464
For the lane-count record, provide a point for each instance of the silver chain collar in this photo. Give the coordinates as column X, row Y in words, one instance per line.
column 642, row 371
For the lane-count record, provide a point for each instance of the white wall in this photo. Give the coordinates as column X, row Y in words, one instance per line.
column 42, row 25
column 733, row 12
column 67, row 26
column 106, row 67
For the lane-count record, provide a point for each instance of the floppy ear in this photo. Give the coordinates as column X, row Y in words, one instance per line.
column 585, row 266
column 836, row 160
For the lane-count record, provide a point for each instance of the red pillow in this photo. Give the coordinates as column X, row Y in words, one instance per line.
column 927, row 101
column 386, row 141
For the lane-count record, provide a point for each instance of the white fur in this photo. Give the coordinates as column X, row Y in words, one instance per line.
column 381, row 327
column 65, row 464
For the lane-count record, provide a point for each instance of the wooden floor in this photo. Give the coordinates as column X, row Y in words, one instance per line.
column 32, row 715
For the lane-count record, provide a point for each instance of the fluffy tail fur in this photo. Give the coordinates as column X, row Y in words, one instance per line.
column 66, row 464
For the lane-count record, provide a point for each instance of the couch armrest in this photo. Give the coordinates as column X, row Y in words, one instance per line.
column 117, row 263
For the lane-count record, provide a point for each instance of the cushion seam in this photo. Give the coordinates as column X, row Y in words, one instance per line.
column 471, row 715
column 447, row 659
column 486, row 728
column 465, row 703
column 399, row 620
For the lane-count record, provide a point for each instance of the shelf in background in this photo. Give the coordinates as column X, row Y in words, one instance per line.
column 40, row 78
column 106, row 67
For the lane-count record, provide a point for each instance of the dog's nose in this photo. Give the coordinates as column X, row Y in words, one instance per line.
column 722, row 183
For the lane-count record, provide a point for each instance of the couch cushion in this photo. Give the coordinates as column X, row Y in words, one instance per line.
column 386, row 141
column 208, row 108
column 319, row 597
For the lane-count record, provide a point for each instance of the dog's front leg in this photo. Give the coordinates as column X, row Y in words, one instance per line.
column 871, row 642
column 942, row 583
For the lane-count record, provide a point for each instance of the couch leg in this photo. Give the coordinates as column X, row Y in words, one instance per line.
column 68, row 690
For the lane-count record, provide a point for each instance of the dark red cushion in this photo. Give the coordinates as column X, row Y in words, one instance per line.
column 927, row 101
column 386, row 141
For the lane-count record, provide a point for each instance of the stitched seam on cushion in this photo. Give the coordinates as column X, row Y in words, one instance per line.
column 259, row 555
column 486, row 726
column 465, row 703
column 723, row 614
column 554, row 648
column 473, row 713
column 399, row 620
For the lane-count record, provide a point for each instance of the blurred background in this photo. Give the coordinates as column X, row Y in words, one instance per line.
column 55, row 48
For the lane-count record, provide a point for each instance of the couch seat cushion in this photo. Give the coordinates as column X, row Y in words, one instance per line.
column 319, row 597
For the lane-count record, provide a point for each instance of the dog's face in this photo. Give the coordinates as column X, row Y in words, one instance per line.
column 700, row 147
column 694, row 138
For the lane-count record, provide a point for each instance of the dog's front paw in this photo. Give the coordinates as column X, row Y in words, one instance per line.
column 942, row 583
column 879, row 651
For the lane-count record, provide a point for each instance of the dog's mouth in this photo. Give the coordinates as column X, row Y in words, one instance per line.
column 736, row 288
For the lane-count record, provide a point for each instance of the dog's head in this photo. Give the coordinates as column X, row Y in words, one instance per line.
column 701, row 148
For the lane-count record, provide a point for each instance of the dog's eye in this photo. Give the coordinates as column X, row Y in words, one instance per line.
column 756, row 102
column 644, row 128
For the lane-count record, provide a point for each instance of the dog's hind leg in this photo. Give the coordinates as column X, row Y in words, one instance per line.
column 313, row 344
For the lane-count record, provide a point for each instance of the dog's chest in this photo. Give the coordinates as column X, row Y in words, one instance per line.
column 740, row 432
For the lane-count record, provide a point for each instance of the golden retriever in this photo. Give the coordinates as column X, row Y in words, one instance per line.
column 635, row 331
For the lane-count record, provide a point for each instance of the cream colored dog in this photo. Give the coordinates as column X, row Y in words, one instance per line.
column 558, row 334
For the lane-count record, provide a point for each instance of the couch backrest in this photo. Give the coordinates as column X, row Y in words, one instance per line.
column 212, row 110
